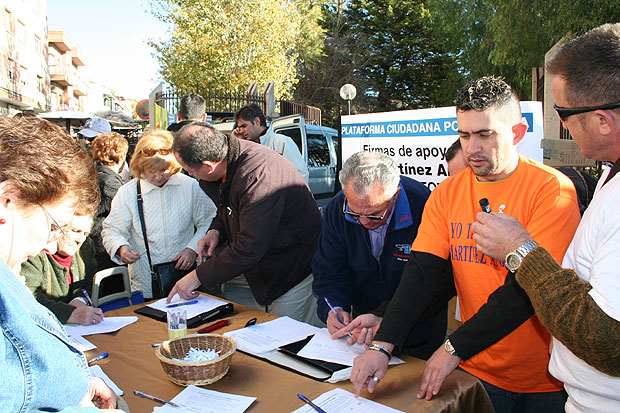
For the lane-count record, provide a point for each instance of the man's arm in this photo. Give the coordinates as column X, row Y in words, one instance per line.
column 259, row 216
column 425, row 287
column 426, row 282
column 563, row 304
column 36, row 274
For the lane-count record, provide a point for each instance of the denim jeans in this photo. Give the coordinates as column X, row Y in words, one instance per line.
column 505, row 401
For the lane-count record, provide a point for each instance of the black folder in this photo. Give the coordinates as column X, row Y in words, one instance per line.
column 218, row 312
column 293, row 348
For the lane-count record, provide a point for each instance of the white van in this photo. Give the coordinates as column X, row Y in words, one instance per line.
column 318, row 147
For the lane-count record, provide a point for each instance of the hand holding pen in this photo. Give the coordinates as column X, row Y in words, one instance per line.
column 85, row 314
column 332, row 327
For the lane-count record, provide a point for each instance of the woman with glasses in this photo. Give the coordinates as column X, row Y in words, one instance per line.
column 44, row 176
column 57, row 278
column 177, row 213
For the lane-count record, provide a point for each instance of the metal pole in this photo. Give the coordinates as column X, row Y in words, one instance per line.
column 349, row 102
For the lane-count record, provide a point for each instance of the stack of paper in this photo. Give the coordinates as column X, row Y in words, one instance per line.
column 261, row 339
column 322, row 347
column 81, row 343
column 108, row 325
column 204, row 305
column 342, row 401
column 195, row 399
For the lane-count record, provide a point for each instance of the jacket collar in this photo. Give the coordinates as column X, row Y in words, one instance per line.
column 148, row 187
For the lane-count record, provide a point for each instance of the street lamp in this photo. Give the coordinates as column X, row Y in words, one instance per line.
column 348, row 93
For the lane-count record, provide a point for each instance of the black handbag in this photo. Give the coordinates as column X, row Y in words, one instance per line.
column 164, row 275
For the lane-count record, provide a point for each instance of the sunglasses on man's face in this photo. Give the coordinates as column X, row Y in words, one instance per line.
column 563, row 112
column 357, row 216
column 152, row 152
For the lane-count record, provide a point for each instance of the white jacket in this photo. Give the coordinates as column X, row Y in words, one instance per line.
column 286, row 147
column 176, row 215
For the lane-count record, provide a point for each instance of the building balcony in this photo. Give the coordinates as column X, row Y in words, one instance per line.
column 79, row 89
column 60, row 40
column 77, row 58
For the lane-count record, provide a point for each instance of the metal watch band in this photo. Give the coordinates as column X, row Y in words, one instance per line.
column 514, row 258
column 380, row 348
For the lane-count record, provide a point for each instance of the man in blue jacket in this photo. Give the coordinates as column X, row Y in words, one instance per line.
column 368, row 228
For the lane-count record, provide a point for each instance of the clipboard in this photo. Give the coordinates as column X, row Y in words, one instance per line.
column 193, row 322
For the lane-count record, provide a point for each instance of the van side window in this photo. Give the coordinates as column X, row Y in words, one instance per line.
column 295, row 135
column 318, row 150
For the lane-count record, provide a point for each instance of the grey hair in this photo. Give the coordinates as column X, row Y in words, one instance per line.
column 363, row 169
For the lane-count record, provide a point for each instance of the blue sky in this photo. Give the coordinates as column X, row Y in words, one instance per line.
column 112, row 36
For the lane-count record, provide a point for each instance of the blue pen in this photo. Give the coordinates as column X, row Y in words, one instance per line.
column 307, row 401
column 337, row 315
column 180, row 304
column 85, row 293
column 99, row 357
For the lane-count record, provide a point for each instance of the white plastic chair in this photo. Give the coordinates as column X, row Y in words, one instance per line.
column 108, row 272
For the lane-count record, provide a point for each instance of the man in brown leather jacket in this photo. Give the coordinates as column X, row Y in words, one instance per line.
column 266, row 213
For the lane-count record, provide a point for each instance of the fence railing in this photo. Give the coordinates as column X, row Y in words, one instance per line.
column 222, row 104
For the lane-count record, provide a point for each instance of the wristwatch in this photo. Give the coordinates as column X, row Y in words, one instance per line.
column 449, row 348
column 514, row 258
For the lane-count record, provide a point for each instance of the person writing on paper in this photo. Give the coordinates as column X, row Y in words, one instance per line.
column 500, row 341
column 177, row 213
column 44, row 176
column 368, row 228
column 57, row 278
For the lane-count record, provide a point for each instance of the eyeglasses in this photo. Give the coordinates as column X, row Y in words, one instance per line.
column 56, row 230
column 152, row 152
column 357, row 216
column 563, row 113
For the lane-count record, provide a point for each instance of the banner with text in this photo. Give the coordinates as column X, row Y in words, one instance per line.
column 418, row 139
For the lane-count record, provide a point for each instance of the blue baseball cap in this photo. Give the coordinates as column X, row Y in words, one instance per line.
column 95, row 126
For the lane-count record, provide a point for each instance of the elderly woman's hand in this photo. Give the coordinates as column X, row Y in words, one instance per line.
column 127, row 255
column 185, row 260
column 99, row 395
column 86, row 315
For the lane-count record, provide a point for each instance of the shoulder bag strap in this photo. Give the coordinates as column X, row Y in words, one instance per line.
column 142, row 225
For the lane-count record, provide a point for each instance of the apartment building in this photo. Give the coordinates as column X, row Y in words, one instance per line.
column 24, row 76
column 65, row 62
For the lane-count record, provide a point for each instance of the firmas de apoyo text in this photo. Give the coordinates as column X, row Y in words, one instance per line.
column 433, row 154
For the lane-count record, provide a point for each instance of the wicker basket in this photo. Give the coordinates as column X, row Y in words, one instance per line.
column 196, row 373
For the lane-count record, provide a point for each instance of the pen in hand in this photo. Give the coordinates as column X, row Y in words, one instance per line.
column 309, row 403
column 157, row 399
column 85, row 294
column 337, row 315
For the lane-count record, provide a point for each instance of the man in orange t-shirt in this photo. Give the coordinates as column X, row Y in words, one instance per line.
column 501, row 342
